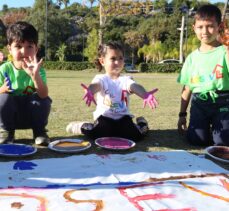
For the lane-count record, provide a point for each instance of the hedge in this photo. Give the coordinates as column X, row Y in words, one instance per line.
column 160, row 68
column 77, row 66
column 143, row 67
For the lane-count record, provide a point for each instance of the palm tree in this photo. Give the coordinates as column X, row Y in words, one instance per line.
column 60, row 53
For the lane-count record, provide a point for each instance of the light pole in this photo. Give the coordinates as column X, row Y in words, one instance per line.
column 225, row 10
column 46, row 29
column 182, row 28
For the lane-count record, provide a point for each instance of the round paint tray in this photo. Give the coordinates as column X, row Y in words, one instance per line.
column 16, row 150
column 114, row 143
column 69, row 145
column 220, row 153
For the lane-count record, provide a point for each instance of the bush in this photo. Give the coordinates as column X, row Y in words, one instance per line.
column 77, row 66
column 160, row 68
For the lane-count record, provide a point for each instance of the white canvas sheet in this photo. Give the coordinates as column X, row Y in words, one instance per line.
column 162, row 181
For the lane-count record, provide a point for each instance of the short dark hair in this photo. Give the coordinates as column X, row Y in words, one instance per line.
column 208, row 11
column 102, row 50
column 20, row 32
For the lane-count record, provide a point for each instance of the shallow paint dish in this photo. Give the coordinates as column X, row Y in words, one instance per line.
column 69, row 145
column 16, row 150
column 114, row 143
column 220, row 153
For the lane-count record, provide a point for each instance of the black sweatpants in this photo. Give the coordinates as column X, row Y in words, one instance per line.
column 107, row 127
column 24, row 112
column 209, row 121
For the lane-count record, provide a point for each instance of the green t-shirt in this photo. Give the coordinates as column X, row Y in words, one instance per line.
column 21, row 82
column 207, row 71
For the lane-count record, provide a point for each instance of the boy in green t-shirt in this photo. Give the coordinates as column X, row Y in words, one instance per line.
column 24, row 101
column 206, row 81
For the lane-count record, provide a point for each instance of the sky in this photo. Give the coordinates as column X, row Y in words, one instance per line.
column 24, row 3
column 29, row 3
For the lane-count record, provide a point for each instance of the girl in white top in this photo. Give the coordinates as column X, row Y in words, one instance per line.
column 112, row 116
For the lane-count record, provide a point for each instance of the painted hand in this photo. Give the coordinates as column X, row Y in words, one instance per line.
column 24, row 165
column 88, row 97
column 8, row 84
column 150, row 100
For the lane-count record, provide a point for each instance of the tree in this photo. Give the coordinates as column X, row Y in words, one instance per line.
column 92, row 45
column 65, row 2
column 58, row 26
column 109, row 8
column 134, row 40
column 153, row 52
column 5, row 8
column 2, row 35
column 13, row 16
column 60, row 53
column 145, row 51
column 91, row 2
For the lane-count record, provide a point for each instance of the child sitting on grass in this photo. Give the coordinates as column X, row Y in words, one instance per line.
column 112, row 116
column 24, row 101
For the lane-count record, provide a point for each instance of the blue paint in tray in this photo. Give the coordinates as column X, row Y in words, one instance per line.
column 16, row 150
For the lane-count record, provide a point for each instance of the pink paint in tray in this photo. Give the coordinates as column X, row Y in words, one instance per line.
column 114, row 143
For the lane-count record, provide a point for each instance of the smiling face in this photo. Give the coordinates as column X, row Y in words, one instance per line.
column 207, row 31
column 21, row 51
column 113, row 62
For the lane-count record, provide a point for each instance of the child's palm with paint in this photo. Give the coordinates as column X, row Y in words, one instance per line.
column 7, row 87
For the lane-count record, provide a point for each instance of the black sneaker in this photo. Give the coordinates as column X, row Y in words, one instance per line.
column 143, row 124
column 41, row 139
column 6, row 137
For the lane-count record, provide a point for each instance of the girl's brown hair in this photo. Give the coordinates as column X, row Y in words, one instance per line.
column 102, row 51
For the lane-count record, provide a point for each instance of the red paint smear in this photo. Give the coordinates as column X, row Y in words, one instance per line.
column 135, row 200
column 157, row 196
column 204, row 193
column 225, row 184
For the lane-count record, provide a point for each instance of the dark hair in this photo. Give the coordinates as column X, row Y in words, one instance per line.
column 102, row 51
column 20, row 32
column 208, row 11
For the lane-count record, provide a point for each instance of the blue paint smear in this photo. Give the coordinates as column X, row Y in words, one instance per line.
column 56, row 186
column 15, row 149
column 94, row 185
column 24, row 165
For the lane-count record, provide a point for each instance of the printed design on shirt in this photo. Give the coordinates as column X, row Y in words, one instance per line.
column 124, row 97
column 29, row 90
column 114, row 105
column 215, row 75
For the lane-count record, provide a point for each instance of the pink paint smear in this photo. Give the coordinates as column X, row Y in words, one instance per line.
column 114, row 143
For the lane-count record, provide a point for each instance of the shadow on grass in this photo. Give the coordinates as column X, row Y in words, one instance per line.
column 165, row 140
column 156, row 140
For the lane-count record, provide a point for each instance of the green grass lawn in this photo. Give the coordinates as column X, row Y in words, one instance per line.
column 67, row 106
column 66, row 93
